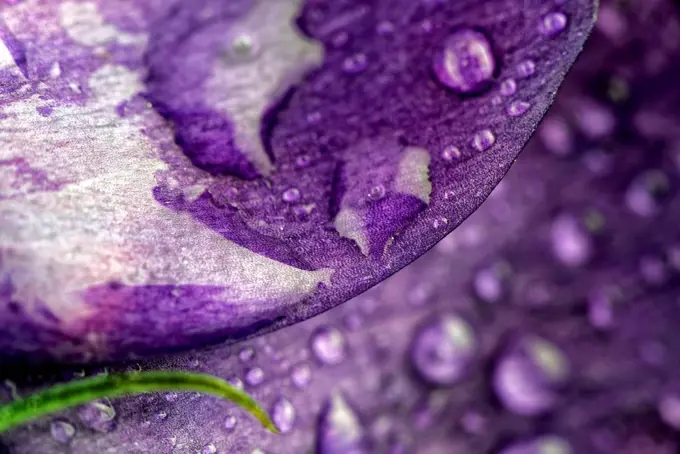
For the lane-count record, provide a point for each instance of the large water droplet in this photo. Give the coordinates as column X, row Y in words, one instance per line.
column 301, row 376
column 571, row 243
column 328, row 345
column 483, row 140
column 377, row 192
column 98, row 416
column 552, row 24
column 443, row 349
column 62, row 431
column 647, row 193
column 547, row 444
column 254, row 376
column 339, row 430
column 465, row 63
column 283, row 415
column 528, row 376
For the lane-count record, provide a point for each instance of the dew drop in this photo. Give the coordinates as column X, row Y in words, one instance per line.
column 246, row 354
column 451, row 153
column 209, row 449
column 571, row 243
column 669, row 410
column 254, row 376
column 647, row 193
column 465, row 62
column 528, row 377
column 547, row 444
column 291, row 195
column 98, row 416
column 283, row 415
column 339, row 430
column 235, row 382
column 517, row 108
column 230, row 422
column 483, row 140
column 328, row 345
column 552, row 24
column 377, row 192
column 526, row 68
column 489, row 283
column 508, row 87
column 162, row 415
column 171, row 397
column 62, row 431
column 301, row 376
column 443, row 349
column 355, row 63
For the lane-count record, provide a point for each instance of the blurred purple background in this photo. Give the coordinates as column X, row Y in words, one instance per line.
column 547, row 323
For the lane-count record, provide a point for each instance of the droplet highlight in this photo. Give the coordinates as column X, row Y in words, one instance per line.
column 283, row 415
column 328, row 345
column 552, row 24
column 483, row 140
column 339, row 430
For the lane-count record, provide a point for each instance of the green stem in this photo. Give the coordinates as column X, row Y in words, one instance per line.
column 65, row 395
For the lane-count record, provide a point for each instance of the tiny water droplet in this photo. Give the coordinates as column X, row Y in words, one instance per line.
column 489, row 284
column 552, row 24
column 440, row 222
column 291, row 195
column 230, row 422
column 254, row 376
column 647, row 193
column 98, row 416
column 529, row 375
column 209, row 449
column 517, row 108
column 443, row 349
column 526, row 68
column 465, row 62
column 483, row 140
column 328, row 345
column 339, row 39
column 171, row 397
column 161, row 415
column 377, row 192
column 246, row 354
column 235, row 382
column 283, row 415
column 301, row 375
column 339, row 430
column 355, row 64
column 194, row 363
column 62, row 431
column 451, row 153
column 571, row 242
column 508, row 87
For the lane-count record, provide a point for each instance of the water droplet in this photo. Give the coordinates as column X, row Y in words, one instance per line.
column 377, row 192
column 653, row 270
column 194, row 363
column 465, row 63
column 161, row 415
column 547, row 444
column 528, row 376
column 385, row 28
column 526, row 68
column 451, row 153
column 483, row 140
column 601, row 307
column 246, row 354
column 339, row 430
column 571, row 243
column 443, row 349
column 171, row 397
column 230, row 422
column 339, row 39
column 552, row 24
column 440, row 222
column 209, row 449
column 98, row 416
column 647, row 193
column 291, row 195
column 283, row 415
column 328, row 345
column 235, row 382
column 355, row 63
column 62, row 431
column 254, row 376
column 301, row 375
column 556, row 136
column 517, row 108
column 508, row 87
column 489, row 283
column 669, row 410
column 242, row 48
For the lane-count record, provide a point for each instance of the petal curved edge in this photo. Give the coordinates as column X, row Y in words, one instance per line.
column 178, row 174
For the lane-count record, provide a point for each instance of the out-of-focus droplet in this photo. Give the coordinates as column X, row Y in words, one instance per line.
column 283, row 415
column 355, row 64
column 98, row 416
column 571, row 242
column 246, row 354
column 547, row 444
column 62, row 431
column 483, row 140
column 528, row 377
column 489, row 283
column 552, row 24
column 669, row 410
column 301, row 375
column 339, row 430
column 230, row 422
column 556, row 136
column 465, row 62
column 443, row 349
column 254, row 376
column 328, row 345
column 602, row 304
column 647, row 193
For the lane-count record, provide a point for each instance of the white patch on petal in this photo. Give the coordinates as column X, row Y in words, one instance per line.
column 6, row 59
column 105, row 225
column 349, row 224
column 413, row 176
column 266, row 55
column 84, row 24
